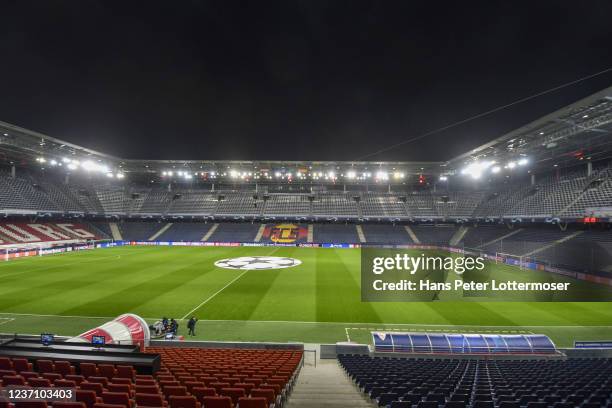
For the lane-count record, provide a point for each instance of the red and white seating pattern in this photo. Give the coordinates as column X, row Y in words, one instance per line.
column 28, row 233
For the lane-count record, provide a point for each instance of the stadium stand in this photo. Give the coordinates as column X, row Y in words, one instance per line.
column 386, row 234
column 454, row 383
column 185, row 231
column 334, row 233
column 571, row 195
column 235, row 232
column 189, row 377
column 35, row 232
column 434, row 234
column 138, row 230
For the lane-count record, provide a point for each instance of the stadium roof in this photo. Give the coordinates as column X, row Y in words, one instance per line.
column 580, row 131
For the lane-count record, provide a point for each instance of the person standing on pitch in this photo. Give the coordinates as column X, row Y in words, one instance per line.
column 191, row 325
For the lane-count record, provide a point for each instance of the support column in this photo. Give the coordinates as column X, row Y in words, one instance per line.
column 532, row 179
column 13, row 170
column 589, row 169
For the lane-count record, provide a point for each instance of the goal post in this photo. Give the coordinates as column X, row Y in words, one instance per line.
column 510, row 259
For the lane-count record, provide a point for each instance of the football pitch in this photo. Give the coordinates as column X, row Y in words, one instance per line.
column 318, row 301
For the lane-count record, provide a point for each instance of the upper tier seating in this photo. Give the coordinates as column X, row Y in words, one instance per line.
column 454, row 383
column 570, row 195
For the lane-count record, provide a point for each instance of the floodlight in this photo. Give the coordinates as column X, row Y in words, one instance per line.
column 511, row 165
column 496, row 169
column 443, row 178
column 523, row 162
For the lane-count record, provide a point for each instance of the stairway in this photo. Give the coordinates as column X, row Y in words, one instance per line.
column 327, row 385
column 161, row 231
column 116, row 233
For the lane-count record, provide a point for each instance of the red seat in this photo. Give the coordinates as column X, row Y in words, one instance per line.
column 218, row 402
column 117, row 398
column 183, row 401
column 64, row 384
column 103, row 405
column 201, row 392
column 125, row 388
column 267, row 386
column 5, row 364
column 218, row 385
column 125, row 371
column 31, row 404
column 7, row 372
column 174, row 390
column 13, row 380
column 69, row 405
column 146, row 389
column 268, row 394
column 233, row 393
column 253, row 402
column 39, row 382
column 45, row 366
column 150, row 400
column 29, row 374
column 64, row 368
column 95, row 387
column 76, row 378
column 192, row 384
column 100, row 380
column 107, row 370
column 88, row 397
column 88, row 369
column 21, row 364
column 145, row 382
column 52, row 376
column 122, row 380
column 247, row 387
column 168, row 383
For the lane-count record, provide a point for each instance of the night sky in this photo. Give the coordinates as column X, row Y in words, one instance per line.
column 289, row 79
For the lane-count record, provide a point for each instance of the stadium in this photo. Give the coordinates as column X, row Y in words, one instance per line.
column 465, row 266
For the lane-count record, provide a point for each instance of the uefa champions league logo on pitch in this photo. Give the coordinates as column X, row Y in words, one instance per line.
column 258, row 262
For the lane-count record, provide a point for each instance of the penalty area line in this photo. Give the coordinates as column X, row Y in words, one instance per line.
column 213, row 295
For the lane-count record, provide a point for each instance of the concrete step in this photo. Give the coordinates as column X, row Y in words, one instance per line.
column 327, row 385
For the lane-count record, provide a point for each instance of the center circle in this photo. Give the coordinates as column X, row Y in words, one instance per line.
column 258, row 262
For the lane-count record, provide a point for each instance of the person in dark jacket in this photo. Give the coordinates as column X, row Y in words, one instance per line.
column 191, row 325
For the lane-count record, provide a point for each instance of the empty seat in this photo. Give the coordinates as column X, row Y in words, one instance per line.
column 21, row 364
column 184, row 401
column 117, row 398
column 107, row 370
column 252, row 402
column 88, row 397
column 64, row 368
column 218, row 402
column 150, row 400
column 45, row 366
column 88, row 370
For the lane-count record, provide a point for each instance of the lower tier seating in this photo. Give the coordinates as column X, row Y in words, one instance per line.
column 454, row 383
column 188, row 378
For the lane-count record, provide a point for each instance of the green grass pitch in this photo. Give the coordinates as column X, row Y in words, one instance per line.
column 317, row 301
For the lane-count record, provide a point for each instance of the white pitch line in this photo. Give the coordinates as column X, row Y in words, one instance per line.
column 6, row 320
column 213, row 295
column 348, row 338
column 315, row 322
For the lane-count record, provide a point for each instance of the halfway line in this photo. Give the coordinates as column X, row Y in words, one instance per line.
column 213, row 295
